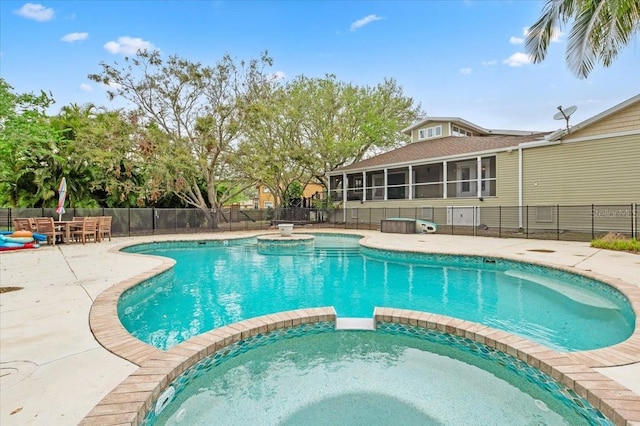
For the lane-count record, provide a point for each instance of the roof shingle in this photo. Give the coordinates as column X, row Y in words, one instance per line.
column 442, row 147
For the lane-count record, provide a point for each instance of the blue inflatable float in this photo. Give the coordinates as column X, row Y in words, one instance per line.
column 20, row 240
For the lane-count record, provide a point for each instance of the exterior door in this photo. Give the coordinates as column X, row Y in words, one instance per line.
column 466, row 177
column 378, row 190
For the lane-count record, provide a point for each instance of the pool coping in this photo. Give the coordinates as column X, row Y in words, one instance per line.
column 131, row 400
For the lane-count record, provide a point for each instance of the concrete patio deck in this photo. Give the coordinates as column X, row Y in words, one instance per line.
column 53, row 371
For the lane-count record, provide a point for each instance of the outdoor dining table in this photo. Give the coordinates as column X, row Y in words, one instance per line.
column 67, row 226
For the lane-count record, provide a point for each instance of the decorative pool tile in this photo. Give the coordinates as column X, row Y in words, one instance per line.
column 544, row 381
column 150, row 247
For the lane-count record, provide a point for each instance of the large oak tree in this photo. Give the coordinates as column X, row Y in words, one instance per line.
column 194, row 116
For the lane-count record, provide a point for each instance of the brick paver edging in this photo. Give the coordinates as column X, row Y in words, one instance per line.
column 130, row 401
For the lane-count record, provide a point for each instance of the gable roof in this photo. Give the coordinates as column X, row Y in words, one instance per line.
column 559, row 134
column 439, row 148
column 466, row 124
column 455, row 120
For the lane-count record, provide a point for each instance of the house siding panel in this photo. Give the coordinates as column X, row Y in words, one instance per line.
column 506, row 179
column 621, row 121
column 597, row 171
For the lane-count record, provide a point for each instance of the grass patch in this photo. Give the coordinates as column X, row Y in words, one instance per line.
column 617, row 242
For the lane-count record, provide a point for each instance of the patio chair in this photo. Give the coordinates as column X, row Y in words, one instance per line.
column 24, row 224
column 45, row 226
column 88, row 230
column 104, row 227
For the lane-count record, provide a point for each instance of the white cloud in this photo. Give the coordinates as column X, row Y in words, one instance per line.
column 516, row 40
column 112, row 85
column 71, row 37
column 465, row 71
column 86, row 87
column 127, row 45
column 37, row 12
column 489, row 63
column 278, row 75
column 364, row 21
column 518, row 59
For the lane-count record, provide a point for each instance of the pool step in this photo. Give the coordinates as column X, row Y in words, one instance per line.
column 336, row 252
column 355, row 324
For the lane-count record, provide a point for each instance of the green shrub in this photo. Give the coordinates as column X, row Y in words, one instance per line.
column 617, row 242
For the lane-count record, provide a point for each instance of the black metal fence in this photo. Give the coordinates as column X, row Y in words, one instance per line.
column 570, row 223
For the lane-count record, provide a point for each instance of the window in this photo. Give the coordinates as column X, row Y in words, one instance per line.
column 488, row 177
column 459, row 131
column 355, row 186
column 428, row 181
column 266, row 190
column 268, row 205
column 462, row 179
column 335, row 185
column 397, row 184
column 430, row 132
column 377, row 186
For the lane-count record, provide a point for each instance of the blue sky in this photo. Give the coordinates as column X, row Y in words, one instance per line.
column 455, row 58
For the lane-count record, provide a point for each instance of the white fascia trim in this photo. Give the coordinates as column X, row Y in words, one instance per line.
column 466, row 156
column 535, row 144
column 605, row 136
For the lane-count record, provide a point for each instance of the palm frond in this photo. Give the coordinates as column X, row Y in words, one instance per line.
column 586, row 37
column 600, row 29
column 554, row 15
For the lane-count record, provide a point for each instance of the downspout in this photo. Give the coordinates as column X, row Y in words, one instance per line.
column 479, row 177
column 386, row 183
column 445, row 178
column 410, row 182
column 520, row 187
column 344, row 197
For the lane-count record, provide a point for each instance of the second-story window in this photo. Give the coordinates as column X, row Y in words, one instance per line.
column 458, row 131
column 430, row 132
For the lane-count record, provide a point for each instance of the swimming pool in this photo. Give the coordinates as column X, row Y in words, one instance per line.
column 215, row 283
column 399, row 374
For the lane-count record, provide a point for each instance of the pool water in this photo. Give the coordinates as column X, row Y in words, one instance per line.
column 373, row 378
column 218, row 283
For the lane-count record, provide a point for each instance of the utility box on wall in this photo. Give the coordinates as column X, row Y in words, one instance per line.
column 398, row 226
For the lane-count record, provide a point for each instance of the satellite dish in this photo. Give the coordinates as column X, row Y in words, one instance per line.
column 565, row 114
